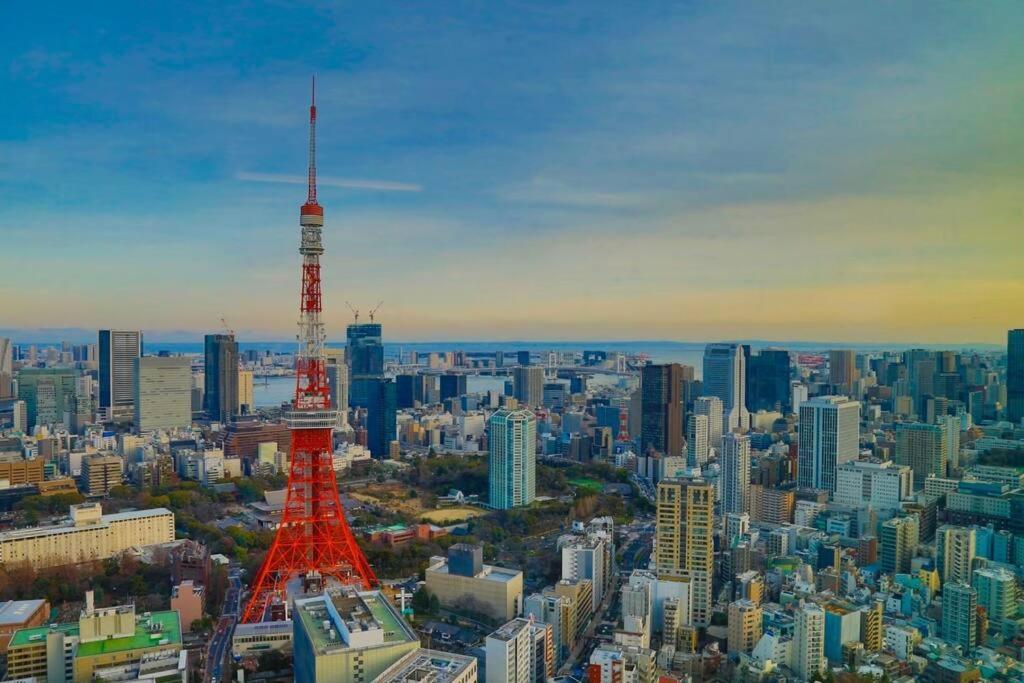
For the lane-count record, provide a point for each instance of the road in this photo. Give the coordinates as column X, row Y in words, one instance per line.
column 220, row 643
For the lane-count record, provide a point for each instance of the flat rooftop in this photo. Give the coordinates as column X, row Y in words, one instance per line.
column 15, row 612
column 439, row 565
column 427, row 666
column 354, row 608
column 149, row 633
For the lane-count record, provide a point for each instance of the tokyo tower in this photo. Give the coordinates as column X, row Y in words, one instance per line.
column 313, row 536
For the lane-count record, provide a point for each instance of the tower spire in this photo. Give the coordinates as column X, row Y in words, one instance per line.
column 311, row 195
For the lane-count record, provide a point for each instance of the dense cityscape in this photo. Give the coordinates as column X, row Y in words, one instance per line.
column 211, row 504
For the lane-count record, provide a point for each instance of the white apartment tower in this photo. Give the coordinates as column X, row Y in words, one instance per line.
column 735, row 461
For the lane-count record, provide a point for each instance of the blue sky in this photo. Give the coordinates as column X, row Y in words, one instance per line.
column 555, row 170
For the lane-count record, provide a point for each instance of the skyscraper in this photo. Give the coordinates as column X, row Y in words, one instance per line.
column 48, row 394
column 118, row 350
column 1015, row 375
column 6, row 368
column 512, row 458
column 922, row 447
column 697, row 440
column 684, row 540
column 337, row 380
column 842, row 370
column 829, row 436
column 735, row 473
column 959, row 619
column 661, row 409
column 768, row 381
column 725, row 376
column 163, row 393
column 368, row 387
column 711, row 407
column 809, row 642
column 955, row 550
column 528, row 385
column 221, row 376
column 452, row 385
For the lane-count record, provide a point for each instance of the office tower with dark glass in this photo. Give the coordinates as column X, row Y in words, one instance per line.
column 368, row 387
column 528, row 385
column 220, row 395
column 118, row 350
column 661, row 409
column 1015, row 375
column 768, row 381
column 725, row 376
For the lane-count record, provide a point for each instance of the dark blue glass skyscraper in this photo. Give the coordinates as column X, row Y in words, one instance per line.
column 369, row 389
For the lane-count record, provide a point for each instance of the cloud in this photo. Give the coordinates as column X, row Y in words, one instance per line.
column 329, row 181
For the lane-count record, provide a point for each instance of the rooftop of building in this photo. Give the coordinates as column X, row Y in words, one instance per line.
column 156, row 629
column 439, row 565
column 509, row 630
column 17, row 611
column 358, row 612
column 427, row 666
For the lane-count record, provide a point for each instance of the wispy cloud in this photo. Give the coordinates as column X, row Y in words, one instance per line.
column 329, row 181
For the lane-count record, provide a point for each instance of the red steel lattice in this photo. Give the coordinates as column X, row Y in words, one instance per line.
column 314, row 535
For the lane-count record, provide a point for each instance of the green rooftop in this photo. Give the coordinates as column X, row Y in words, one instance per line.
column 170, row 630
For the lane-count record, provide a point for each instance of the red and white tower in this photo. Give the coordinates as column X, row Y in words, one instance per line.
column 313, row 536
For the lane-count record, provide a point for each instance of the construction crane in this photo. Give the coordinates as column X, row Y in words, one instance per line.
column 226, row 328
column 355, row 311
column 375, row 309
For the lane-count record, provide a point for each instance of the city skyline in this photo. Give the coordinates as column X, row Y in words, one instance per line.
column 608, row 172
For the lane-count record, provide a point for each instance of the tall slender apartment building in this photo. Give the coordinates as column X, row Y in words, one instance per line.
column 1015, row 375
column 809, row 642
column 735, row 461
column 697, row 440
column 711, row 407
column 829, row 436
column 725, row 376
column 118, row 350
column 959, row 615
column 955, row 550
column 512, row 458
column 661, row 409
column 684, row 540
column 221, row 376
column 528, row 385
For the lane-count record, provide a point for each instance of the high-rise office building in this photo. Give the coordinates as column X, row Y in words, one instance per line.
column 246, row 393
column 725, row 376
column 959, row 615
column 1015, row 375
column 6, row 369
column 842, row 370
column 528, row 385
column 735, row 473
column 404, row 388
column 922, row 447
column 163, row 393
column 829, row 436
column 452, row 386
column 48, row 393
column 221, row 377
column 20, row 417
column 899, row 539
column 684, row 540
column 809, row 642
column 768, row 381
column 512, row 458
column 697, row 440
column 381, row 403
column 955, row 550
column 711, row 406
column 118, row 350
column 661, row 409
column 882, row 485
column 365, row 352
